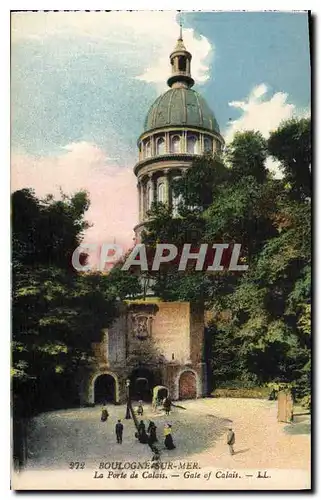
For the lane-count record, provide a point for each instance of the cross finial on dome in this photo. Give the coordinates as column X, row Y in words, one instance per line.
column 180, row 44
column 180, row 28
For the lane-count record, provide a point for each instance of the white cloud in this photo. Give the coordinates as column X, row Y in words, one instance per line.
column 260, row 113
column 264, row 115
column 147, row 38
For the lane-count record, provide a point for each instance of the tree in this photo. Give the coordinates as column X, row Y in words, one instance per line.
column 266, row 337
column 290, row 144
column 57, row 312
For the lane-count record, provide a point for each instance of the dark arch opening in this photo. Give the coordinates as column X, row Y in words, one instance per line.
column 105, row 389
column 182, row 63
column 142, row 381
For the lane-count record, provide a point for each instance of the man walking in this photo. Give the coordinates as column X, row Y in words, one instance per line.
column 119, row 432
column 231, row 440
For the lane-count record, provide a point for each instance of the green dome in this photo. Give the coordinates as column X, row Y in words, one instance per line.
column 180, row 107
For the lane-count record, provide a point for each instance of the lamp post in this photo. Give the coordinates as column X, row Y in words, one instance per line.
column 128, row 416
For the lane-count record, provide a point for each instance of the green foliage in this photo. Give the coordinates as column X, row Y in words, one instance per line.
column 290, row 144
column 266, row 337
column 246, row 156
column 57, row 313
column 253, row 393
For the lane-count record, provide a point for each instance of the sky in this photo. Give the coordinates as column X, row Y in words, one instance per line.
column 82, row 84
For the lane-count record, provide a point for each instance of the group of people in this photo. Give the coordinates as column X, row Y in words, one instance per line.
column 149, row 436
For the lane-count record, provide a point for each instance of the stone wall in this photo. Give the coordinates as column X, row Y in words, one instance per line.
column 171, row 331
column 167, row 336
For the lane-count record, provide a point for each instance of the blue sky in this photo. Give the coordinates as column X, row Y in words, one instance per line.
column 82, row 85
column 254, row 48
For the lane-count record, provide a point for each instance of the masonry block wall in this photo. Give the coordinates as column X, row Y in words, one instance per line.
column 166, row 338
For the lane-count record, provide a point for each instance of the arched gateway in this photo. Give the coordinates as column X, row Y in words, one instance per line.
column 142, row 382
column 187, row 385
column 105, row 389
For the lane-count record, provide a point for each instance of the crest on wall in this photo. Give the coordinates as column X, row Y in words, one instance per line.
column 141, row 320
column 141, row 326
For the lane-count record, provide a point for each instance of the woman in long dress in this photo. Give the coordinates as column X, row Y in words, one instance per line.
column 142, row 435
column 152, row 433
column 169, row 444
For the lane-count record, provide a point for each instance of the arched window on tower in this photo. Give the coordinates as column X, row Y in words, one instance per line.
column 148, row 149
column 192, row 144
column 182, row 63
column 208, row 145
column 175, row 144
column 161, row 193
column 160, row 146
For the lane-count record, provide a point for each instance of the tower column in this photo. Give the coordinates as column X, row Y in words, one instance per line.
column 150, row 192
column 184, row 145
column 201, row 144
column 166, row 142
column 143, row 201
column 139, row 200
column 166, row 182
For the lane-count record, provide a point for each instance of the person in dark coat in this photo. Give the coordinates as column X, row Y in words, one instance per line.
column 119, row 432
column 142, row 435
column 231, row 440
column 169, row 444
column 152, row 438
column 104, row 414
column 167, row 405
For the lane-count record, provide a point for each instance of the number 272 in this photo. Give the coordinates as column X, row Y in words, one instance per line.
column 77, row 465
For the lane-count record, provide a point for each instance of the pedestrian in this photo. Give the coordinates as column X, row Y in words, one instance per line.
column 140, row 409
column 104, row 414
column 168, row 442
column 231, row 440
column 142, row 435
column 155, row 458
column 167, row 405
column 119, row 432
column 152, row 438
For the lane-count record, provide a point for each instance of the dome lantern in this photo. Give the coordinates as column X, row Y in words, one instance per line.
column 179, row 126
column 180, row 60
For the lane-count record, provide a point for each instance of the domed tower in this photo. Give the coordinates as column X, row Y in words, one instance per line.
column 178, row 126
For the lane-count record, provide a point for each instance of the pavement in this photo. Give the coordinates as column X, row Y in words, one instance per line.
column 58, row 438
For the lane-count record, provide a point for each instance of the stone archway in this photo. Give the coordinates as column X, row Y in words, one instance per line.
column 142, row 381
column 187, row 385
column 105, row 388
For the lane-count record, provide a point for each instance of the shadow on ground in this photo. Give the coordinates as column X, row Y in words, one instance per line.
column 301, row 425
column 302, row 428
column 57, row 438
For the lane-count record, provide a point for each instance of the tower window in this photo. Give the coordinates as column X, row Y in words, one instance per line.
column 175, row 144
column 182, row 63
column 161, row 193
column 192, row 144
column 148, row 149
column 208, row 145
column 160, row 146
